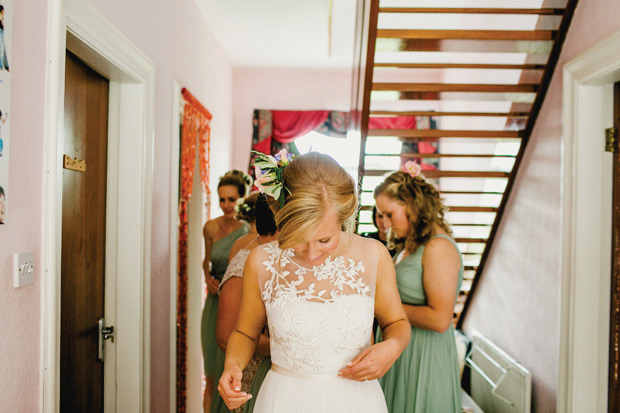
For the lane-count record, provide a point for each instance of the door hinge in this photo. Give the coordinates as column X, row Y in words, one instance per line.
column 610, row 140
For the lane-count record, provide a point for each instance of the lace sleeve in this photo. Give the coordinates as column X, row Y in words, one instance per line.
column 235, row 267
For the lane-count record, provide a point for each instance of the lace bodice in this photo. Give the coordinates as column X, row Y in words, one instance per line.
column 319, row 318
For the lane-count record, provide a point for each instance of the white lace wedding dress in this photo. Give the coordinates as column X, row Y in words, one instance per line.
column 319, row 319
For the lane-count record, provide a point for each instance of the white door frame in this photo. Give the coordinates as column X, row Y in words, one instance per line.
column 175, row 151
column 586, row 227
column 75, row 25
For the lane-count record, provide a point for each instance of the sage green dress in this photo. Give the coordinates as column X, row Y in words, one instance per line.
column 259, row 366
column 259, row 377
column 211, row 353
column 426, row 377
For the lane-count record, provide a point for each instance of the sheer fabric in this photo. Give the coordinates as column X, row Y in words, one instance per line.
column 320, row 318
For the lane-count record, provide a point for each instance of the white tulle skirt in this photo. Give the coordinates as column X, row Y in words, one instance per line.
column 282, row 392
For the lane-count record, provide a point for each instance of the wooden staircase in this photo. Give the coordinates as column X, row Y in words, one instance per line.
column 474, row 79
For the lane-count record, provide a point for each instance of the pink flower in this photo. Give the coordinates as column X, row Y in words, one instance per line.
column 412, row 168
column 261, row 179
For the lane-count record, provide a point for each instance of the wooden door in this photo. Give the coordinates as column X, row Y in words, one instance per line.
column 614, row 332
column 83, row 238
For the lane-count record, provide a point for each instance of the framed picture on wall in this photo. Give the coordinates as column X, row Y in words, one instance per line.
column 6, row 23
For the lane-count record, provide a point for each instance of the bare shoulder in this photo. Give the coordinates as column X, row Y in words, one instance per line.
column 441, row 249
column 440, row 245
column 260, row 253
column 370, row 244
column 212, row 226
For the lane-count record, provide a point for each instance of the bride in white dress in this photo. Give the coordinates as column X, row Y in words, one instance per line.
column 318, row 288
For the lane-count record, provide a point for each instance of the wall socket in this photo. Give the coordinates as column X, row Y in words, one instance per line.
column 23, row 265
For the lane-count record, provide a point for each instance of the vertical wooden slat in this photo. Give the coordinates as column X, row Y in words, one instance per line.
column 368, row 79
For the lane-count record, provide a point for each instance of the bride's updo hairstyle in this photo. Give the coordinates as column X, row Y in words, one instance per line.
column 422, row 201
column 314, row 183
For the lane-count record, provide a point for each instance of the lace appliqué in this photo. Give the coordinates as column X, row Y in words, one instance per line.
column 338, row 273
column 307, row 324
column 235, row 267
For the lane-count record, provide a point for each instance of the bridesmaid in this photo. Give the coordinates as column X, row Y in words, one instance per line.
column 230, row 301
column 219, row 234
column 429, row 272
column 244, row 212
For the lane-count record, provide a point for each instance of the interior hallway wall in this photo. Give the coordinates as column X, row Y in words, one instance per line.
column 517, row 304
column 20, row 309
column 175, row 36
column 283, row 89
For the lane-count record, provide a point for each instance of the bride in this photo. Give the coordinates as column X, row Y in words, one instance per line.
column 318, row 288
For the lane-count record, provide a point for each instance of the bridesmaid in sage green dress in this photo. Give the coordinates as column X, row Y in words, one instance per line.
column 219, row 234
column 229, row 304
column 429, row 272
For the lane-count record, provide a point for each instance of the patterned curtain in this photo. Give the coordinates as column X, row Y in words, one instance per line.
column 423, row 122
column 195, row 135
column 332, row 123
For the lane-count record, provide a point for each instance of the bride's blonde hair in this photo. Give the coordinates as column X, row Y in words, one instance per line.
column 314, row 183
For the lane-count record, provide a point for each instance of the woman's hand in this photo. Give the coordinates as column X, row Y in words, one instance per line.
column 373, row 362
column 212, row 284
column 230, row 388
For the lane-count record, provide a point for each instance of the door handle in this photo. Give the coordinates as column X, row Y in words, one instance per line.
column 105, row 333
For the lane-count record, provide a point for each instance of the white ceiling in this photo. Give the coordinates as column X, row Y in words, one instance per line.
column 283, row 33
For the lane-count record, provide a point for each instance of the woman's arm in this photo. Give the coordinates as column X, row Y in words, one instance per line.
column 441, row 263
column 228, row 312
column 243, row 339
column 376, row 360
column 207, row 232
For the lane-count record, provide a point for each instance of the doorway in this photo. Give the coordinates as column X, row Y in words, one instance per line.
column 85, row 140
column 587, row 106
column 77, row 27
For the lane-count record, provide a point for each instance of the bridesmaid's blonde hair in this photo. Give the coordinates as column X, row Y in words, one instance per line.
column 314, row 183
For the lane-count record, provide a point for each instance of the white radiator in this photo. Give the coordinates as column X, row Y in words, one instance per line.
column 498, row 383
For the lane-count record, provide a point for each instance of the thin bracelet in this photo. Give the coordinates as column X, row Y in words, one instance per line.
column 400, row 319
column 242, row 333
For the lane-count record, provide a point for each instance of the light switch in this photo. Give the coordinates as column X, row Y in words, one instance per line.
column 23, row 264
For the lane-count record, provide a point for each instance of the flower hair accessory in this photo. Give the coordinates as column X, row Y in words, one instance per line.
column 241, row 207
column 268, row 170
column 411, row 168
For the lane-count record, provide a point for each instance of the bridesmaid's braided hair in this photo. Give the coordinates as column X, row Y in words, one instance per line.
column 422, row 201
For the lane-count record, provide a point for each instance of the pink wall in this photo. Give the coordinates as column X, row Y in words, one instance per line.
column 284, row 89
column 20, row 309
column 175, row 36
column 517, row 304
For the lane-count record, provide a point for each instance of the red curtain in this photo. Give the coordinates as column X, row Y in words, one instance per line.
column 392, row 122
column 289, row 125
column 196, row 133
